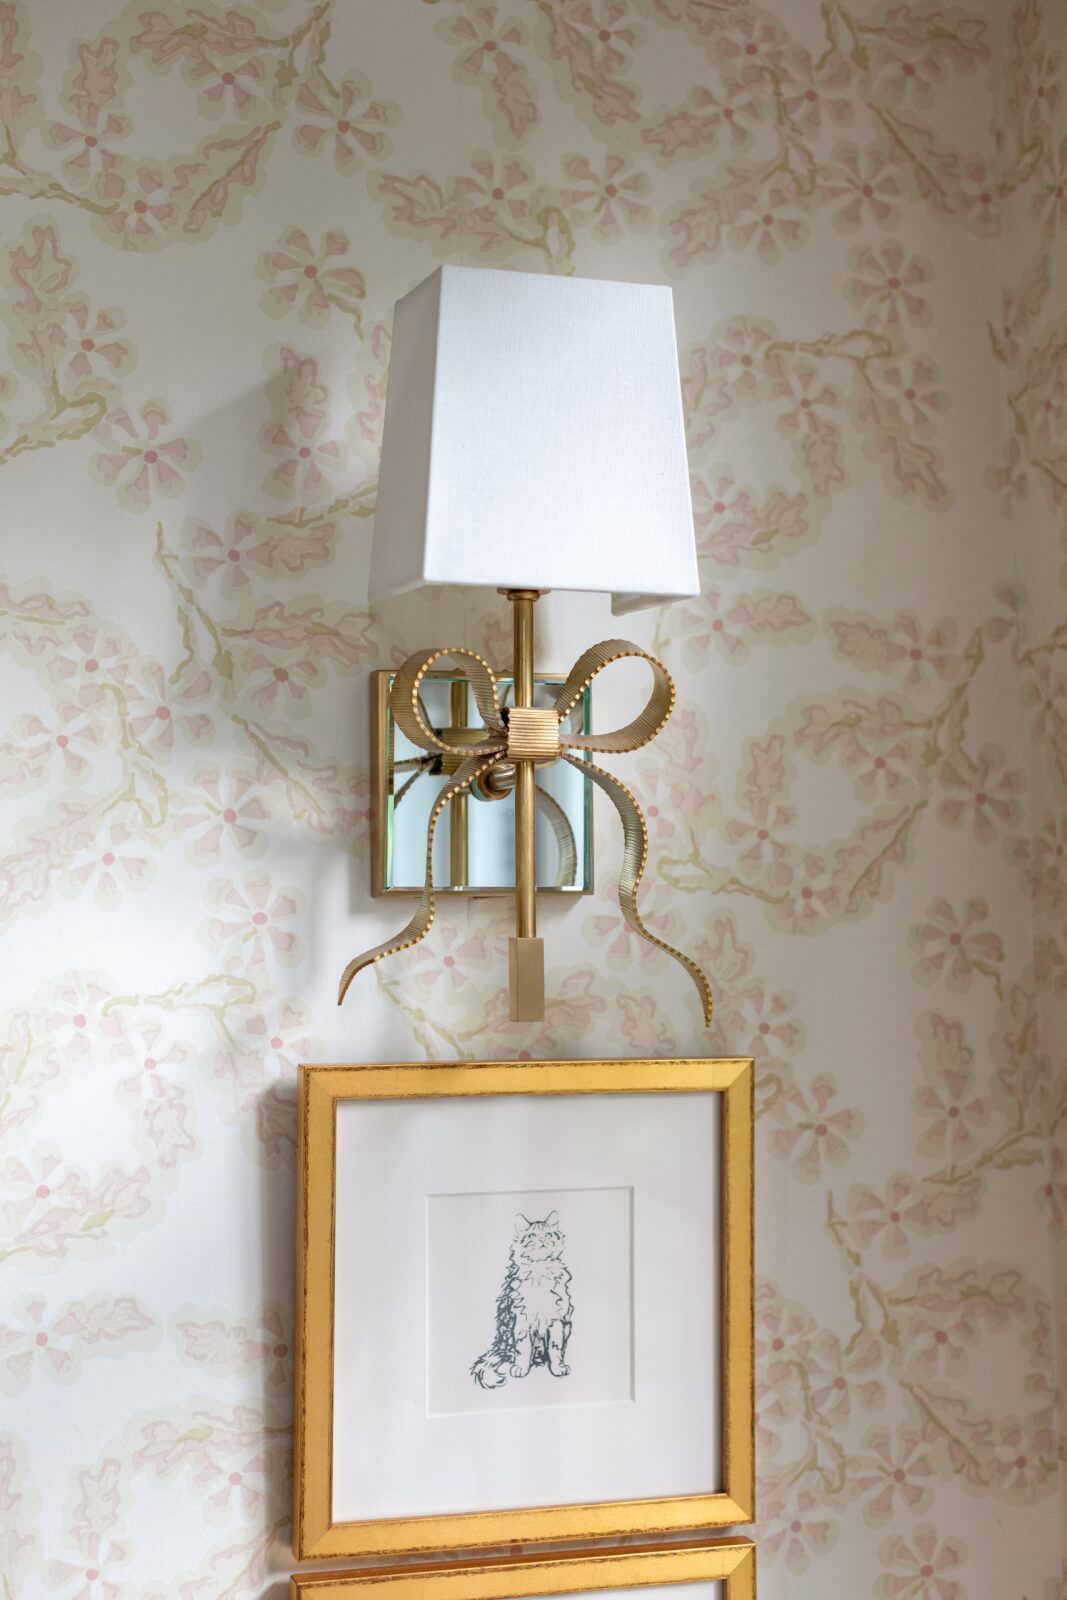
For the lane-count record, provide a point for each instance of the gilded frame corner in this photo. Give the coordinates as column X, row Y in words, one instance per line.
column 316, row 1536
column 729, row 1561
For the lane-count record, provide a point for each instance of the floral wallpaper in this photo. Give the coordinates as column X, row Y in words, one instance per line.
column 859, row 811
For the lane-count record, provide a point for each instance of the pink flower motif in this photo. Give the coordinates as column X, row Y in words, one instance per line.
column 895, row 1474
column 979, row 196
column 1051, row 1196
column 268, row 681
column 607, row 21
column 1045, row 692
column 250, row 924
column 812, row 1133
column 771, row 221
column 347, row 121
column 816, row 898
column 158, row 709
column 1042, row 88
column 234, row 90
column 1026, row 1457
column 765, row 851
column 703, row 114
column 937, row 1342
column 446, row 968
column 89, row 158
column 144, row 213
column 886, row 286
column 111, row 864
column 141, row 462
column 739, row 356
column 71, row 735
column 733, row 527
column 914, row 391
column 796, row 1528
column 980, row 792
column 955, row 946
column 947, row 1097
column 253, row 1074
column 909, row 78
column 814, row 92
column 485, row 41
column 312, row 281
column 887, row 772
column 241, row 1490
column 91, row 1534
column 614, row 197
column 94, row 353
column 841, row 1377
column 783, row 1331
column 621, row 943
column 925, row 651
column 307, row 452
column 263, row 1345
column 800, row 383
column 89, row 661
column 891, row 1217
column 30, row 1343
column 35, row 1187
column 863, row 188
column 156, row 1088
column 766, row 1021
column 749, row 46
column 499, row 190
column 245, row 553
column 919, row 1565
column 1050, row 197
column 227, row 810
column 231, row 1457
column 71, row 1017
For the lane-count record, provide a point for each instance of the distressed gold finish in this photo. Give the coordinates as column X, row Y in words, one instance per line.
column 457, row 822
column 478, row 763
column 729, row 1561
column 526, row 952
column 533, row 734
column 526, row 978
column 315, row 1533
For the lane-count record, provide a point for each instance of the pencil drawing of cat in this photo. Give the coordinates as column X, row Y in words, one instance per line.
column 533, row 1310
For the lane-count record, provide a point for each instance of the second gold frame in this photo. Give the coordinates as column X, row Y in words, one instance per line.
column 317, row 1534
column 731, row 1562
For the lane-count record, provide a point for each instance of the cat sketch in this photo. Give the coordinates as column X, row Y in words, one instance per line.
column 533, row 1310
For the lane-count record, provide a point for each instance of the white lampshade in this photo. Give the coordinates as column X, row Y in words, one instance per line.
column 534, row 439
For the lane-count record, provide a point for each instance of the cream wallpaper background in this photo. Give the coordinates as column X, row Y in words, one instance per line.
column 859, row 812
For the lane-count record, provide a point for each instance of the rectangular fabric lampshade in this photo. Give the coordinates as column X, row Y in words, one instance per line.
column 534, row 439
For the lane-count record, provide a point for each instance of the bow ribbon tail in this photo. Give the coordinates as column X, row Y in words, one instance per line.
column 635, row 854
column 559, row 822
column 421, row 923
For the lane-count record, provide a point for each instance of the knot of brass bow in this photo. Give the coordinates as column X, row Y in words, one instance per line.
column 536, row 734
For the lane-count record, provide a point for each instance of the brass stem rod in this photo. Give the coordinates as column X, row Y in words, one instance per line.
column 458, row 862
column 522, row 667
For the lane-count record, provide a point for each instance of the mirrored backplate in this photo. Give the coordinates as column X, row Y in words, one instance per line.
column 474, row 844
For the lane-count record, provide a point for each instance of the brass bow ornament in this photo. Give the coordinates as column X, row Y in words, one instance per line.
column 532, row 733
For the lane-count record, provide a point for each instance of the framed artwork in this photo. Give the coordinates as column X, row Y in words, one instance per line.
column 524, row 1303
column 725, row 1570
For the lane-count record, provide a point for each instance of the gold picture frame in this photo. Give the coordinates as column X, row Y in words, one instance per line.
column 321, row 1090
column 731, row 1562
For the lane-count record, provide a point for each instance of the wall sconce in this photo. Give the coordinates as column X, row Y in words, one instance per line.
column 534, row 440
